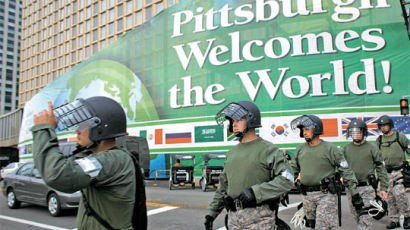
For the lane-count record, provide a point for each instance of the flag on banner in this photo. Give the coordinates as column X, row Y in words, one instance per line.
column 158, row 136
column 371, row 123
column 330, row 127
column 401, row 124
column 177, row 138
column 143, row 133
column 279, row 130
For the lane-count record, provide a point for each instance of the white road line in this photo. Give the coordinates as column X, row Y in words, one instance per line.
column 292, row 205
column 159, row 210
column 32, row 223
column 45, row 226
column 280, row 209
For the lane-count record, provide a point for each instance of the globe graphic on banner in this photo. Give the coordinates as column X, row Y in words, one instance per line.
column 111, row 79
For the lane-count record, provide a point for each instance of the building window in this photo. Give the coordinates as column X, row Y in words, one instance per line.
column 112, row 15
column 120, row 10
column 139, row 17
column 88, row 10
column 95, row 35
column 95, row 21
column 129, row 7
column 111, row 29
column 120, row 25
column 139, row 4
column 95, row 48
column 103, row 18
column 96, row 8
column 129, row 21
column 148, row 2
column 103, row 5
column 148, row 13
column 103, row 32
column 159, row 7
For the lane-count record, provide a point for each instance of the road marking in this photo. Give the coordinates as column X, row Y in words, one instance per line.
column 289, row 206
column 32, row 223
column 159, row 210
column 166, row 205
column 280, row 209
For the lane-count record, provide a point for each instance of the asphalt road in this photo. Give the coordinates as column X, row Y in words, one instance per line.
column 180, row 209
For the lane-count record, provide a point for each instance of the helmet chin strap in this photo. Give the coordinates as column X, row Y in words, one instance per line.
column 310, row 139
column 386, row 132
column 92, row 145
column 240, row 135
column 358, row 141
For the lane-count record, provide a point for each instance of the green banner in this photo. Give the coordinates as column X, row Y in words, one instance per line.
column 195, row 57
column 209, row 133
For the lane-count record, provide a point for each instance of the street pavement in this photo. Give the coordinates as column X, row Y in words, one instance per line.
column 180, row 208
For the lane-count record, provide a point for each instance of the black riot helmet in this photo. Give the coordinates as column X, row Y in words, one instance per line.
column 308, row 121
column 102, row 115
column 237, row 111
column 356, row 127
column 378, row 208
column 385, row 120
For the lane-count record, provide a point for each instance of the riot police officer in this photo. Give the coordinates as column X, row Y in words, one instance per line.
column 394, row 146
column 316, row 162
column 105, row 174
column 255, row 175
column 364, row 159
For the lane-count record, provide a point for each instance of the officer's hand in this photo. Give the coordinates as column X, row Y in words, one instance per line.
column 284, row 199
column 208, row 222
column 357, row 202
column 383, row 195
column 247, row 197
column 46, row 117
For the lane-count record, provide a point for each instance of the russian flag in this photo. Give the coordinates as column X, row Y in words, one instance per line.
column 177, row 138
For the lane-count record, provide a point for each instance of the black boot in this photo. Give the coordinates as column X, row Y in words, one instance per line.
column 393, row 225
column 406, row 223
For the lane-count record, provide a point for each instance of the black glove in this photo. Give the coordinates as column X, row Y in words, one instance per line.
column 357, row 202
column 247, row 198
column 284, row 199
column 208, row 222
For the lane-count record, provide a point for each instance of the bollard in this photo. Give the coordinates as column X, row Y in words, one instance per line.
column 156, row 174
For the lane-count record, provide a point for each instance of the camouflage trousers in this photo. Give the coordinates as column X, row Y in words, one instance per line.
column 260, row 217
column 322, row 207
column 364, row 222
column 397, row 198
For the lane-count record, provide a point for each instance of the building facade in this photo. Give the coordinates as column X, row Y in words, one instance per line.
column 10, row 15
column 59, row 34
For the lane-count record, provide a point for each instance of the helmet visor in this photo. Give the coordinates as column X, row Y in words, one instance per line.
column 355, row 133
column 302, row 121
column 75, row 115
column 232, row 111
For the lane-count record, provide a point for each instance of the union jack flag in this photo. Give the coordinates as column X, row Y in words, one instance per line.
column 371, row 123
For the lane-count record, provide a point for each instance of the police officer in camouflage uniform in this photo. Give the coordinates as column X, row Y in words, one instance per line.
column 316, row 162
column 394, row 146
column 255, row 175
column 104, row 173
column 364, row 159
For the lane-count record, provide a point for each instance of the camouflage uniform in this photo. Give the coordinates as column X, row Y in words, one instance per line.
column 260, row 165
column 364, row 159
column 259, row 218
column 320, row 206
column 394, row 155
column 315, row 163
column 397, row 199
column 364, row 222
